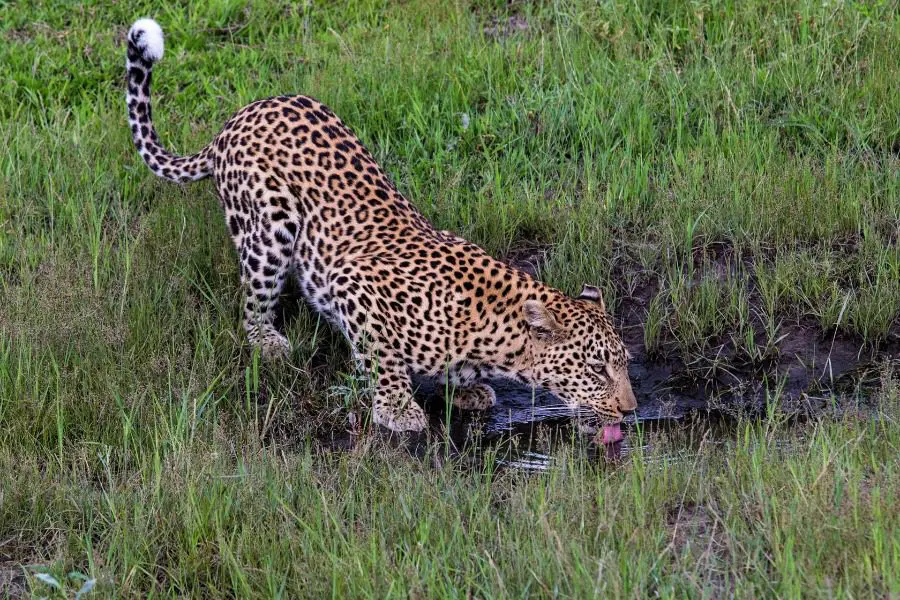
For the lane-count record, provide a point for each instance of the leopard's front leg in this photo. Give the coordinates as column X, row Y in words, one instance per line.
column 393, row 405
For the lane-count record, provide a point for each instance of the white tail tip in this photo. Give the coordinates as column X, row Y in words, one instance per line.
column 147, row 36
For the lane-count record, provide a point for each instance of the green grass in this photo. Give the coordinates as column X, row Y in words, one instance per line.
column 142, row 445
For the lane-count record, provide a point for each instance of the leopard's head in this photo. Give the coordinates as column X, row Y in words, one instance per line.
column 578, row 355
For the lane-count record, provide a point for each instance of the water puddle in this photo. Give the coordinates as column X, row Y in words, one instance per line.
column 674, row 410
column 677, row 414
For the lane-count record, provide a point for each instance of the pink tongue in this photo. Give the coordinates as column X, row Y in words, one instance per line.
column 611, row 434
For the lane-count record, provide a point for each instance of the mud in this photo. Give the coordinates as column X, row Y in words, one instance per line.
column 529, row 257
column 808, row 369
column 12, row 580
column 500, row 28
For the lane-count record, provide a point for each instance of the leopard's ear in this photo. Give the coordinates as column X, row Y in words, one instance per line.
column 541, row 321
column 589, row 292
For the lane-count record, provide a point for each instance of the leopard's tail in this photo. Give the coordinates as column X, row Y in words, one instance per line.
column 145, row 47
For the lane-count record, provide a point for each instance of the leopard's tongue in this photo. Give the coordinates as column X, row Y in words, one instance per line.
column 611, row 434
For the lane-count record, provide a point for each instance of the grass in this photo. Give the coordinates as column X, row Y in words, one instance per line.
column 739, row 159
column 756, row 518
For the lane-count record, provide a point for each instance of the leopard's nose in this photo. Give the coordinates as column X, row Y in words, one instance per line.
column 627, row 401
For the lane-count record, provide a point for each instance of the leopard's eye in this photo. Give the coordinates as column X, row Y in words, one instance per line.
column 599, row 369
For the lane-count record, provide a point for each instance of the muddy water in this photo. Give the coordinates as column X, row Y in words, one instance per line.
column 526, row 424
column 675, row 404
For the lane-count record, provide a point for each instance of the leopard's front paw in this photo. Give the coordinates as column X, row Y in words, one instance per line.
column 409, row 417
column 477, row 397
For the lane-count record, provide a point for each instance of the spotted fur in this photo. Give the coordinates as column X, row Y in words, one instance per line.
column 303, row 197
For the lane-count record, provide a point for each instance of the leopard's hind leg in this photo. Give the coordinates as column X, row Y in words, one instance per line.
column 266, row 253
column 262, row 278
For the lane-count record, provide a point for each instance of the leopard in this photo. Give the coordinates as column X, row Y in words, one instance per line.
column 304, row 200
